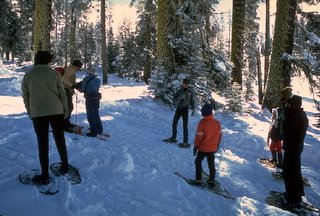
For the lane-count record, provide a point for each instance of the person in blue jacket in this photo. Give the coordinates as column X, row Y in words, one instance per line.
column 90, row 87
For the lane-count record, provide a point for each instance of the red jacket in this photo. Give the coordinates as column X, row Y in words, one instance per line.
column 208, row 134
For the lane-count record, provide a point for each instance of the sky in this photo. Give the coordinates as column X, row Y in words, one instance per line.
column 132, row 172
column 122, row 10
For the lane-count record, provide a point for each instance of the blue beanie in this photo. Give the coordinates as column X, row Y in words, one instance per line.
column 206, row 110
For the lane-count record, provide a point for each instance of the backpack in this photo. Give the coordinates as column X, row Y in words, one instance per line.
column 275, row 131
column 60, row 70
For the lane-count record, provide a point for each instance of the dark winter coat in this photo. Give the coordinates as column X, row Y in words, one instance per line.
column 295, row 126
column 184, row 98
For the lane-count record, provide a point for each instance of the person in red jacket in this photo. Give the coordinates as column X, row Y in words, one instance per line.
column 206, row 143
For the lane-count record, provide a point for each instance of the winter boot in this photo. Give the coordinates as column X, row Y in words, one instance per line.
column 90, row 134
column 40, row 179
column 211, row 183
column 184, row 145
column 196, row 182
column 170, row 140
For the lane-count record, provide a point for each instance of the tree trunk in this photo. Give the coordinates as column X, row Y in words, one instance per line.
column 260, row 92
column 238, row 20
column 165, row 17
column 280, row 69
column 148, row 45
column 73, row 26
column 104, row 43
column 267, row 44
column 66, row 33
column 42, row 25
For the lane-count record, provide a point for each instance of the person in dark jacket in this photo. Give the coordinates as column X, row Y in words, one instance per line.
column 294, row 127
column 184, row 98
column 90, row 87
column 46, row 103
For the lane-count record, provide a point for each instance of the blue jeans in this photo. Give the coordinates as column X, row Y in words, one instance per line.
column 184, row 112
column 93, row 117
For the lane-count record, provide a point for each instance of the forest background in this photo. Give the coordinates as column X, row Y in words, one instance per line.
column 219, row 51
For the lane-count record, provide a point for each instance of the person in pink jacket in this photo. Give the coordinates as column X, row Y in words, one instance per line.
column 206, row 143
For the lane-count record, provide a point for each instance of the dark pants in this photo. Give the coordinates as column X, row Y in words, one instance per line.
column 184, row 112
column 198, row 164
column 41, row 127
column 292, row 177
column 93, row 117
column 70, row 107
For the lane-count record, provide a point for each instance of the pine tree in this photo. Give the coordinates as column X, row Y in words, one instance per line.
column 234, row 98
column 267, row 47
column 193, row 56
column 166, row 11
column 113, row 50
column 238, row 25
column 280, row 68
column 145, row 31
column 104, row 56
column 88, row 42
column 251, row 48
column 23, row 49
column 127, row 62
column 42, row 25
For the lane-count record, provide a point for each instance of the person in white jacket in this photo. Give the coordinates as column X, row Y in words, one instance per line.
column 46, row 103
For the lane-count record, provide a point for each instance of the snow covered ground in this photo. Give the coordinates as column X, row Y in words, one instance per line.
column 132, row 172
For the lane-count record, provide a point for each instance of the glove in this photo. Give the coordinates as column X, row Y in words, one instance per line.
column 76, row 86
column 195, row 151
column 65, row 115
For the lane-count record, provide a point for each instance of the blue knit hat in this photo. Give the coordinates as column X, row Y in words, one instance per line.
column 206, row 110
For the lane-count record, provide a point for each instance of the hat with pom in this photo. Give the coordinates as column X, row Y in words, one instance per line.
column 206, row 110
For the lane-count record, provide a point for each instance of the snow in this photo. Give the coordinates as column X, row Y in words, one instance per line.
column 132, row 172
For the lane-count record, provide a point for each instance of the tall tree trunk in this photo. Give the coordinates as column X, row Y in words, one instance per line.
column 66, row 33
column 165, row 17
column 267, row 44
column 73, row 26
column 147, row 38
column 104, row 43
column 260, row 92
column 238, row 20
column 42, row 25
column 280, row 69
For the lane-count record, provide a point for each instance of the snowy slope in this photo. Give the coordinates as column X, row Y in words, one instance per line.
column 132, row 172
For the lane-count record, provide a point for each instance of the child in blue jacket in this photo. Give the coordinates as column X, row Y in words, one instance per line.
column 90, row 87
